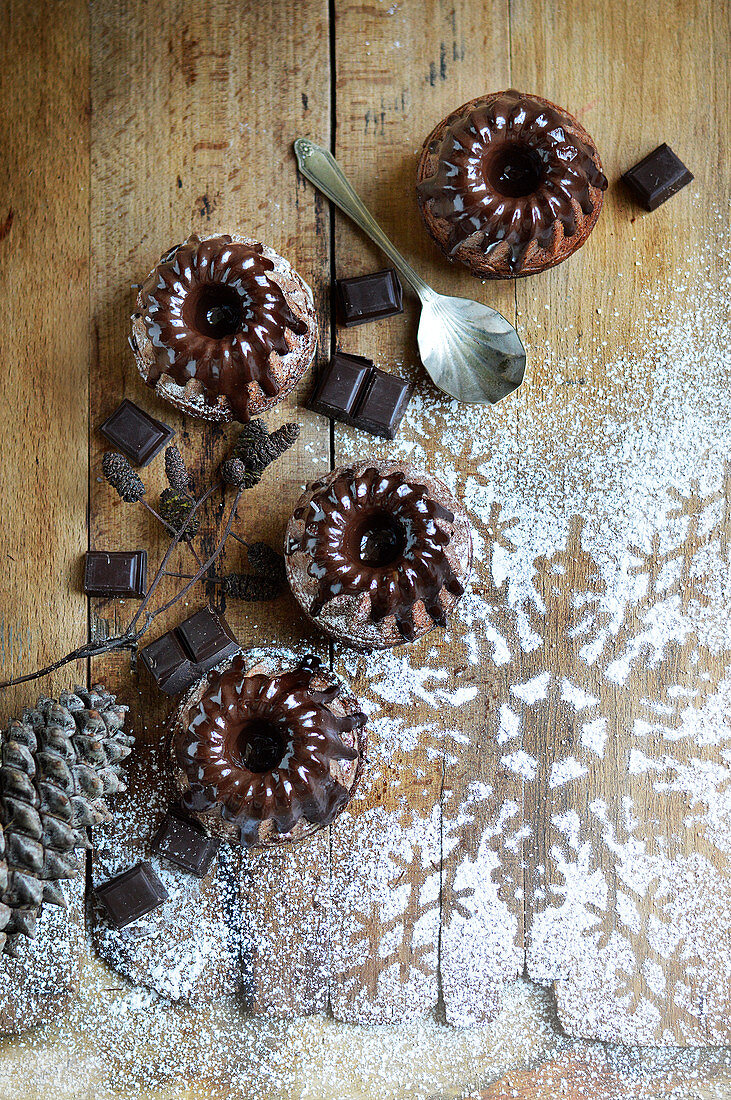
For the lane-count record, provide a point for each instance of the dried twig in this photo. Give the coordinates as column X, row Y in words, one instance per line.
column 254, row 451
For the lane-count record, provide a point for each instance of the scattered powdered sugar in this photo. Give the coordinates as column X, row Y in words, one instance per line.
column 563, row 771
column 601, row 599
column 188, row 949
column 521, row 763
column 38, row 983
column 395, row 866
column 122, row 1044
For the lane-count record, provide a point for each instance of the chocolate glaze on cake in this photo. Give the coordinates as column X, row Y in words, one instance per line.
column 378, row 555
column 510, row 184
column 268, row 753
column 224, row 327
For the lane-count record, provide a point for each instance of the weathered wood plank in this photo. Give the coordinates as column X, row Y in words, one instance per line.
column 44, row 357
column 576, row 1076
column 44, row 253
column 622, row 716
column 200, row 147
column 135, row 139
column 404, row 859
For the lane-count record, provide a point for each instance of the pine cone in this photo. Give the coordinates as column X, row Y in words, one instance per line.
column 58, row 762
column 175, row 470
column 122, row 477
column 175, row 509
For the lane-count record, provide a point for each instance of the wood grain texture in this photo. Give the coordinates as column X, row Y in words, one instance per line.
column 194, row 154
column 615, row 74
column 436, row 885
column 390, row 94
column 131, row 226
column 580, row 1077
column 44, row 259
column 44, row 255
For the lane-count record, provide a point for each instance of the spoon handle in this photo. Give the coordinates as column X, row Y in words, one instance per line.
column 320, row 167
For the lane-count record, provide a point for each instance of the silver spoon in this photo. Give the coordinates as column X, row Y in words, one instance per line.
column 470, row 351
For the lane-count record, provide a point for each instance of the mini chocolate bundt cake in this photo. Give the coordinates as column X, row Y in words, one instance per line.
column 509, row 185
column 377, row 556
column 267, row 749
column 224, row 327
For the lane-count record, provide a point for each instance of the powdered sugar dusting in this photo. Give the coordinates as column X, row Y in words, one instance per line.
column 187, row 949
column 601, row 597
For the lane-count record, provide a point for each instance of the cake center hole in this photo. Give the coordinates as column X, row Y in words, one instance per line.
column 215, row 311
column 261, row 745
column 380, row 540
column 513, row 170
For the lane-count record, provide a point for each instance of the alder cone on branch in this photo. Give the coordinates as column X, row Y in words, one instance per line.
column 175, row 470
column 122, row 477
column 175, row 507
column 257, row 449
column 58, row 762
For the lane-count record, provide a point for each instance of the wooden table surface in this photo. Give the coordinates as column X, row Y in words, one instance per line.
column 548, row 796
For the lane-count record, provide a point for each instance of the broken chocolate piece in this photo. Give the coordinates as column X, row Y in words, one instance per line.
column 131, row 895
column 383, row 404
column 179, row 658
column 208, row 639
column 185, row 843
column 169, row 665
column 369, row 297
column 656, row 177
column 340, row 386
column 353, row 390
column 135, row 433
column 116, row 573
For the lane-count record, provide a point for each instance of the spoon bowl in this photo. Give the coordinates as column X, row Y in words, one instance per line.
column 469, row 350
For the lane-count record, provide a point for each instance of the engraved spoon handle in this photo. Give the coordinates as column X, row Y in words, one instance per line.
column 320, row 167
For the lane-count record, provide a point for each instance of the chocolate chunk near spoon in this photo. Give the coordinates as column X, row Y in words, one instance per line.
column 365, row 298
column 657, row 177
column 353, row 390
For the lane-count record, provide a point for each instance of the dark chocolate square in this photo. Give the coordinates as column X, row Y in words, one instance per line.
column 131, row 895
column 169, row 664
column 185, row 843
column 656, row 177
column 353, row 390
column 177, row 659
column 115, row 573
column 383, row 404
column 340, row 385
column 369, row 297
column 135, row 433
column 207, row 639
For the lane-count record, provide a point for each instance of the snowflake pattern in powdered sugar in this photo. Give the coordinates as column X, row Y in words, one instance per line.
column 564, row 751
